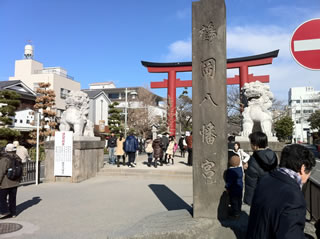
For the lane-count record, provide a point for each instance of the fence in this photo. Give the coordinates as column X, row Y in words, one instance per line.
column 312, row 193
column 29, row 172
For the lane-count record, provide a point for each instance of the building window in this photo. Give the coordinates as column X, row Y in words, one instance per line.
column 21, row 121
column 28, row 121
column 298, row 101
column 297, row 111
column 64, row 93
column 310, row 101
column 305, row 101
column 15, row 120
column 308, row 111
column 113, row 95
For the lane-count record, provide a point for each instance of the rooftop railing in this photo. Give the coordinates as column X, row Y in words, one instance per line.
column 54, row 71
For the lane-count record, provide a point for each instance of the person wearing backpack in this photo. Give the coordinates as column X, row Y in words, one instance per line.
column 10, row 175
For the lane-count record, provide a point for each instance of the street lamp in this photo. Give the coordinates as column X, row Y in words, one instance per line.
column 133, row 93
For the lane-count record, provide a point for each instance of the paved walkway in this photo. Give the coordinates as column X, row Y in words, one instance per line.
column 99, row 207
column 104, row 206
column 179, row 168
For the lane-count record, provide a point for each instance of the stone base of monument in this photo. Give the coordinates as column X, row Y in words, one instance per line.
column 87, row 160
column 275, row 146
column 245, row 138
column 179, row 224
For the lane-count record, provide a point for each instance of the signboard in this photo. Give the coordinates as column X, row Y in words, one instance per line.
column 305, row 44
column 102, row 125
column 63, row 153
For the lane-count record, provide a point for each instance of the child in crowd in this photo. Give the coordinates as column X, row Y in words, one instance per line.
column 234, row 185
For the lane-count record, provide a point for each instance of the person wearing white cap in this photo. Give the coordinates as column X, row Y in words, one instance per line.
column 22, row 152
column 8, row 187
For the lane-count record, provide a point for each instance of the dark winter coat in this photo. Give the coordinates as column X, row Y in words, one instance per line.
column 112, row 142
column 4, row 165
column 234, row 183
column 157, row 146
column 131, row 144
column 260, row 163
column 181, row 146
column 165, row 142
column 278, row 209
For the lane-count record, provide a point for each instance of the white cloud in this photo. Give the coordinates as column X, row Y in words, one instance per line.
column 251, row 40
column 284, row 71
column 256, row 40
column 179, row 51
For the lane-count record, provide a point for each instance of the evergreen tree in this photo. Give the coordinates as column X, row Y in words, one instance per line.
column 284, row 128
column 45, row 102
column 314, row 120
column 114, row 119
column 10, row 102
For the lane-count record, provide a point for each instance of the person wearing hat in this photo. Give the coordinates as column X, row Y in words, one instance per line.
column 8, row 187
column 22, row 152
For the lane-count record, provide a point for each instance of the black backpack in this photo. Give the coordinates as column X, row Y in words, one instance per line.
column 15, row 169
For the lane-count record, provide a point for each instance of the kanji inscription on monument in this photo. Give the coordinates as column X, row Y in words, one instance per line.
column 209, row 105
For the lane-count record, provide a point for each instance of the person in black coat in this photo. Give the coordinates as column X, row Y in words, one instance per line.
column 278, row 207
column 260, row 163
column 130, row 147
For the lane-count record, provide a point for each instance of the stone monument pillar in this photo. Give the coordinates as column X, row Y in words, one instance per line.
column 208, row 106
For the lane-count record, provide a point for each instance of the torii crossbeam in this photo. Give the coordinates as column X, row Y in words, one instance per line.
column 242, row 63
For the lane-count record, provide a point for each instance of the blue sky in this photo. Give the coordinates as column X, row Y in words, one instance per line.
column 100, row 40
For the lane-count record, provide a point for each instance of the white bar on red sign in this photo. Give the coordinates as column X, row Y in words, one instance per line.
column 306, row 45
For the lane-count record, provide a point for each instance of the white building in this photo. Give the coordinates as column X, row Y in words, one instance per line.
column 98, row 106
column 24, row 115
column 132, row 98
column 102, row 85
column 23, row 120
column 32, row 72
column 303, row 101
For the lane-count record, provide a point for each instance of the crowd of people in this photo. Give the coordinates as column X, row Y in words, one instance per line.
column 273, row 189
column 159, row 151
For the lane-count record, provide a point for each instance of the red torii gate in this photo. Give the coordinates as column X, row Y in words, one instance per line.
column 242, row 63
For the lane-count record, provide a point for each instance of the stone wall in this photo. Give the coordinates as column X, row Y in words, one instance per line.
column 87, row 161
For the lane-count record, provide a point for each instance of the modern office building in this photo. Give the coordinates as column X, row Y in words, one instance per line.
column 303, row 101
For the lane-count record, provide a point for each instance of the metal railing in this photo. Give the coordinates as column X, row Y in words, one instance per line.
column 45, row 71
column 312, row 193
column 29, row 172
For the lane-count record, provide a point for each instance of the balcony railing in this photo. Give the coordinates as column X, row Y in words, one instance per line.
column 45, row 71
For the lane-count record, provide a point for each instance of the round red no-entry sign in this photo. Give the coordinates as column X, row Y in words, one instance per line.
column 305, row 44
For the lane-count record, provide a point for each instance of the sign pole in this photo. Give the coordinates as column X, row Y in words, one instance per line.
column 37, row 150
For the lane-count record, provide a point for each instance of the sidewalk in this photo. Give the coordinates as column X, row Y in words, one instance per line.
column 107, row 206
column 101, row 207
column 179, row 168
